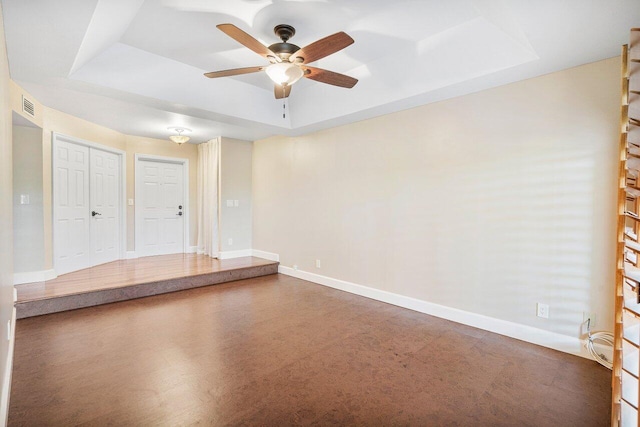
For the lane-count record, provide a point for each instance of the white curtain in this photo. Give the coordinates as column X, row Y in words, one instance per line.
column 208, row 167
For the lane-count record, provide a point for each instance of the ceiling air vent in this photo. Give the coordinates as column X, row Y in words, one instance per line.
column 28, row 107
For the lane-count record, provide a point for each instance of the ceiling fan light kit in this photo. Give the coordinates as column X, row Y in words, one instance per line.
column 288, row 61
column 284, row 73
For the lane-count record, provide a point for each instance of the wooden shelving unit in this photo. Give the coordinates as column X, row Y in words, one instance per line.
column 626, row 363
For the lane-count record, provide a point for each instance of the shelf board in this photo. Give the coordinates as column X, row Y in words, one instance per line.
column 635, row 376
column 632, row 245
column 631, row 313
column 631, row 343
column 632, row 215
column 632, row 191
column 629, row 403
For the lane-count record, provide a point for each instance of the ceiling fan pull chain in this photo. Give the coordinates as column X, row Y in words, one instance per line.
column 284, row 108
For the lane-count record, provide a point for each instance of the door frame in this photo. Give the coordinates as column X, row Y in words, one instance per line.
column 122, row 187
column 139, row 157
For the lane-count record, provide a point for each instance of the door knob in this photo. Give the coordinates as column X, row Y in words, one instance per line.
column 94, row 213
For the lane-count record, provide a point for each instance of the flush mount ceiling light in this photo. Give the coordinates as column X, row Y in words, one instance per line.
column 179, row 138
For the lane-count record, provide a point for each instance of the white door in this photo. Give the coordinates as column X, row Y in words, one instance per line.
column 86, row 206
column 104, row 198
column 160, row 198
column 71, row 207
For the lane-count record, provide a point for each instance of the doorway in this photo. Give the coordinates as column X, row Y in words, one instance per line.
column 161, row 205
column 28, row 203
column 88, row 193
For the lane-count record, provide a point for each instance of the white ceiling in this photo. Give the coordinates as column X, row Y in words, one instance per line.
column 137, row 66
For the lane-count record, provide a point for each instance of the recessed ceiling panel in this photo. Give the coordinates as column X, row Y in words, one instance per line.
column 464, row 52
column 128, row 69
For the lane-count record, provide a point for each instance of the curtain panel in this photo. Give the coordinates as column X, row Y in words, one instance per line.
column 207, row 200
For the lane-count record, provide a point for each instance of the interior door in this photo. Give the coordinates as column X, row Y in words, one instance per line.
column 104, row 201
column 86, row 180
column 71, row 207
column 160, row 188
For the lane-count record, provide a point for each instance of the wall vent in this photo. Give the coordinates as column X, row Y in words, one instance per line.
column 28, row 107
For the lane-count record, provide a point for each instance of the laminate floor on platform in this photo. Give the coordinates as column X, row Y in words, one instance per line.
column 276, row 350
column 137, row 278
column 123, row 273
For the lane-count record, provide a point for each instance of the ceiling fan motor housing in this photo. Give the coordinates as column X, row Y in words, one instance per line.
column 284, row 49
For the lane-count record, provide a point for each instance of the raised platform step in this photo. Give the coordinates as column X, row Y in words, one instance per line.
column 136, row 278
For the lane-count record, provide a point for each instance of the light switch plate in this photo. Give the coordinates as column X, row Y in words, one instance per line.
column 229, row 203
column 24, row 199
column 130, row 202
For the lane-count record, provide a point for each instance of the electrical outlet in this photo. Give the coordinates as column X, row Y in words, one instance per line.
column 586, row 316
column 295, row 267
column 230, row 242
column 543, row 310
column 317, row 263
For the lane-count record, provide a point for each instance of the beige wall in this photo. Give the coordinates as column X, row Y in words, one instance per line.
column 16, row 93
column 6, row 223
column 487, row 203
column 28, row 219
column 235, row 184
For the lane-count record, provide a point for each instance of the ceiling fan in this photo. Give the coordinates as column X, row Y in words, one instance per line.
column 288, row 61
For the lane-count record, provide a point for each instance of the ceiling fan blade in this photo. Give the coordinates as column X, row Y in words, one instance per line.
column 323, row 47
column 233, row 72
column 281, row 91
column 245, row 39
column 329, row 77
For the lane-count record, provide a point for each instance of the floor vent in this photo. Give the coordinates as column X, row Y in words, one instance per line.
column 28, row 107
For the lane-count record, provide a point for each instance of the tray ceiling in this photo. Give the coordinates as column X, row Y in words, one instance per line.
column 137, row 65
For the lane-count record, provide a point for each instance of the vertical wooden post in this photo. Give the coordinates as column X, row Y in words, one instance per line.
column 619, row 285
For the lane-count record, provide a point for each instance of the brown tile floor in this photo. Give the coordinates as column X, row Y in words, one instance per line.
column 279, row 351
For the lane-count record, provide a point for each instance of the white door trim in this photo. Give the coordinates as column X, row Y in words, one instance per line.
column 185, row 183
column 122, row 158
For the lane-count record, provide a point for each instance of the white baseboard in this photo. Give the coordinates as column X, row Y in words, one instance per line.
column 265, row 255
column 8, row 369
column 234, row 254
column 33, row 276
column 529, row 334
column 134, row 255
